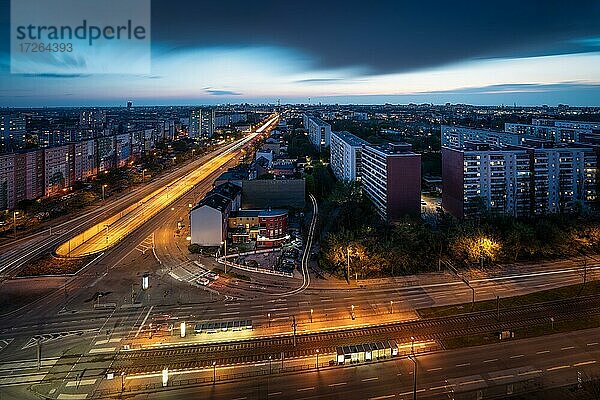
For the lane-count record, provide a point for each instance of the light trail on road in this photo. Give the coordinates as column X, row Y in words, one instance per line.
column 114, row 229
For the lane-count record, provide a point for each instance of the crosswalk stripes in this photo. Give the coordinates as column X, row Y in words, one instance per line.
column 145, row 245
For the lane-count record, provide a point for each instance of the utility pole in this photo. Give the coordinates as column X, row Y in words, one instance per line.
column 348, row 266
column 39, row 353
column 414, row 360
column 294, row 326
column 15, row 213
column 497, row 308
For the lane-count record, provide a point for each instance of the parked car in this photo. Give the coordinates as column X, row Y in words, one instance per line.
column 203, row 281
column 212, row 276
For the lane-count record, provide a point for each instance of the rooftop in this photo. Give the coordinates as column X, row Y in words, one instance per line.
column 220, row 197
column 350, row 138
column 259, row 213
column 392, row 149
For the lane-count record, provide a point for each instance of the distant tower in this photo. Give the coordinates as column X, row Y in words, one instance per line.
column 129, row 104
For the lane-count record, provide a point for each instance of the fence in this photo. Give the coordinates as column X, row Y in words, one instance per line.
column 222, row 260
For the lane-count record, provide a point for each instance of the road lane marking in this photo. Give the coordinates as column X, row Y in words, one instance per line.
column 84, row 382
column 338, row 384
column 537, row 371
column 438, row 388
column 558, row 367
column 471, row 382
column 274, row 394
column 411, row 392
column 491, row 360
column 592, row 344
column 542, row 352
column 102, row 350
column 434, row 369
column 567, row 348
column 518, row 356
column 370, row 379
column 143, row 322
column 65, row 396
column 389, row 396
column 305, row 389
column 584, row 363
column 463, row 365
column 502, row 377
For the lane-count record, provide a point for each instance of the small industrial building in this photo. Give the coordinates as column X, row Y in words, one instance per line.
column 208, row 220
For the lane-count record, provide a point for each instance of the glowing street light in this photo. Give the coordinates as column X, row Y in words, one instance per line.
column 391, row 307
column 103, row 188
column 412, row 344
column 269, row 316
column 311, row 315
column 165, row 377
column 317, row 358
column 15, row 213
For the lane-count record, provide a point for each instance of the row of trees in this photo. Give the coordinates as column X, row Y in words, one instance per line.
column 350, row 229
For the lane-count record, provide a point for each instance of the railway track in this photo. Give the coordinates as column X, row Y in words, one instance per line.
column 248, row 351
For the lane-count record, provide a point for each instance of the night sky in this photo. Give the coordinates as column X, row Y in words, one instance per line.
column 343, row 52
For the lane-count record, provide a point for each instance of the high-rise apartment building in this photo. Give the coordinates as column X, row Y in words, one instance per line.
column 557, row 131
column 346, row 155
column 202, row 123
column 391, row 178
column 319, row 132
column 484, row 172
column 12, row 132
column 92, row 119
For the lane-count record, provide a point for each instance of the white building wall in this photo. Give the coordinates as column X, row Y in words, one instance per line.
column 344, row 158
column 206, row 226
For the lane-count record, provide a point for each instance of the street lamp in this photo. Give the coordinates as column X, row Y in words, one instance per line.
column 269, row 316
column 214, row 371
column 103, row 188
column 122, row 381
column 317, row 358
column 391, row 306
column 224, row 243
column 15, row 213
column 348, row 264
column 144, row 175
column 414, row 360
column 311, row 315
column 270, row 358
column 412, row 344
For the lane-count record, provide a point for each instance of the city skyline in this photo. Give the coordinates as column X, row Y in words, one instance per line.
column 215, row 54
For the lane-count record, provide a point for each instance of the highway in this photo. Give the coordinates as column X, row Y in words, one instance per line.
column 114, row 229
column 15, row 254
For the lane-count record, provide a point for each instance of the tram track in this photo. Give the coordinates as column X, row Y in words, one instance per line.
column 255, row 350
